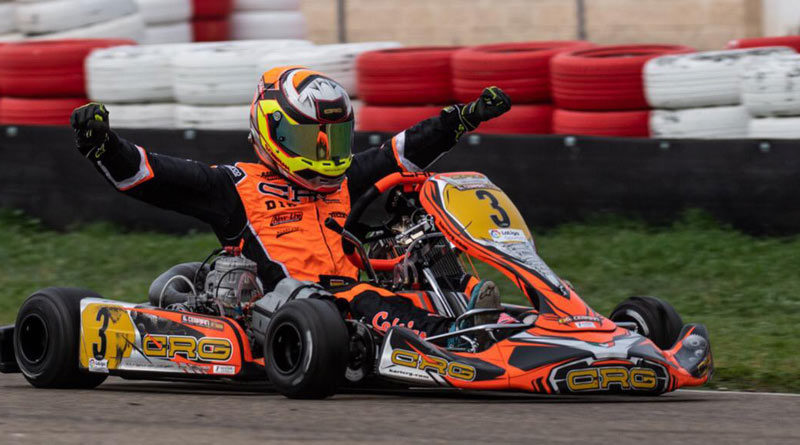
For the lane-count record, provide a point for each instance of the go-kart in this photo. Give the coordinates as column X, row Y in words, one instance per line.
column 306, row 344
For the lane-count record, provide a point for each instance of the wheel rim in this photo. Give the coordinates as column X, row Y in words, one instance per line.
column 33, row 338
column 639, row 320
column 287, row 348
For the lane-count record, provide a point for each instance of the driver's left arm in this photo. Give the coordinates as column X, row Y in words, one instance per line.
column 417, row 148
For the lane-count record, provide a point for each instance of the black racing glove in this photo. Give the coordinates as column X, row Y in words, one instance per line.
column 92, row 130
column 492, row 103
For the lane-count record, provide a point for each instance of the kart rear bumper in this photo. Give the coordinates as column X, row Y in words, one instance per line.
column 8, row 361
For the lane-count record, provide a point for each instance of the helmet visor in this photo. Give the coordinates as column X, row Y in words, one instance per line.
column 316, row 142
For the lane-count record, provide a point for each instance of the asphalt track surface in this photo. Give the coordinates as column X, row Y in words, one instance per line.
column 125, row 412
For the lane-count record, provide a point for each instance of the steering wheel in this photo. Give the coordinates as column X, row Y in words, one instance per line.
column 411, row 182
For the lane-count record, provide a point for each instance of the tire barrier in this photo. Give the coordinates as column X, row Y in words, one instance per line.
column 774, row 128
column 703, row 79
column 233, row 117
column 604, row 77
column 726, row 122
column 633, row 124
column 211, row 30
column 336, row 61
column 257, row 25
column 37, row 111
column 406, row 76
column 225, row 73
column 130, row 74
column 772, row 87
column 521, row 69
column 47, row 69
column 165, row 11
column 131, row 27
column 8, row 23
column 790, row 41
column 392, row 119
column 179, row 32
column 521, row 119
column 63, row 15
column 142, row 116
column 212, row 9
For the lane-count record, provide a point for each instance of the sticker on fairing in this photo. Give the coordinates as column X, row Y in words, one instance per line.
column 508, row 235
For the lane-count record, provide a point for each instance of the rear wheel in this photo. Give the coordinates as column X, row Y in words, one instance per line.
column 306, row 349
column 47, row 339
column 654, row 318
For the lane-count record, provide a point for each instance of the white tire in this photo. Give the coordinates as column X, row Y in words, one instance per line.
column 772, row 88
column 149, row 116
column 266, row 5
column 8, row 21
column 253, row 25
column 63, row 15
column 232, row 117
column 224, row 74
column 130, row 27
column 180, row 32
column 700, row 123
column 775, row 128
column 12, row 37
column 701, row 79
column 124, row 74
column 165, row 11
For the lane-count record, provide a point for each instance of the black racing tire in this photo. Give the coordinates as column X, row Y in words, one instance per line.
column 655, row 319
column 47, row 339
column 306, row 349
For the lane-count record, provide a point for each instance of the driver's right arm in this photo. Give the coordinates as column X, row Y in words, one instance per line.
column 182, row 185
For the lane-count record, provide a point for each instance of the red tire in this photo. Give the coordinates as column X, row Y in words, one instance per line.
column 790, row 41
column 212, row 9
column 393, row 119
column 406, row 76
column 521, row 119
column 211, row 30
column 605, row 123
column 15, row 111
column 605, row 77
column 521, row 69
column 48, row 68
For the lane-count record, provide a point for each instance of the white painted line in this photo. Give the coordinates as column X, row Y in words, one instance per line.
column 747, row 393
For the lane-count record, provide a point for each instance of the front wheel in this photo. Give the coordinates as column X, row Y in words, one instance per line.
column 654, row 318
column 306, row 349
column 47, row 339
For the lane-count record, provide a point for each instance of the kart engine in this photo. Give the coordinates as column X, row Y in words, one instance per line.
column 232, row 282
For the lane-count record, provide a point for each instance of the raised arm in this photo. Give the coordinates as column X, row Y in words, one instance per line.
column 416, row 148
column 182, row 185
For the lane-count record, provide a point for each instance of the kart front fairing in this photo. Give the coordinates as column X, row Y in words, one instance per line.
column 570, row 348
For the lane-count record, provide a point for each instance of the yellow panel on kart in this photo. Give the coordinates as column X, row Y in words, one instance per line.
column 107, row 336
column 483, row 210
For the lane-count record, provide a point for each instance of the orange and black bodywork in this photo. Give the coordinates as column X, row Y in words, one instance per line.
column 569, row 349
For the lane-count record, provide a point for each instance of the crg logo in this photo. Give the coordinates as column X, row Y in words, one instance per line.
column 439, row 365
column 603, row 379
column 169, row 346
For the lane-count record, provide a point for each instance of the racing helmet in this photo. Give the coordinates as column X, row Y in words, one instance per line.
column 301, row 125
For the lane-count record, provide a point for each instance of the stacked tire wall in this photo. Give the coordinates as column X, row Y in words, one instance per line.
column 41, row 82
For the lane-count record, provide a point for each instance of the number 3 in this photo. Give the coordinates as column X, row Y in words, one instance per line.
column 100, row 352
column 503, row 220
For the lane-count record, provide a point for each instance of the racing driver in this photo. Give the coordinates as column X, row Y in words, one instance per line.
column 301, row 127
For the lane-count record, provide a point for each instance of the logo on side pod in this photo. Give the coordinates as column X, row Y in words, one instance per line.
column 438, row 365
column 603, row 379
column 169, row 346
